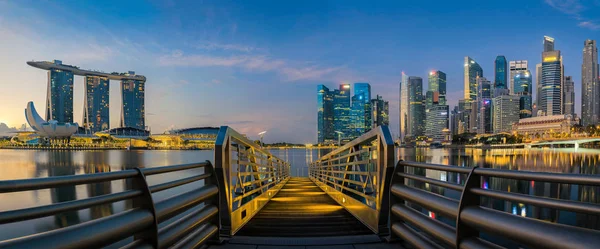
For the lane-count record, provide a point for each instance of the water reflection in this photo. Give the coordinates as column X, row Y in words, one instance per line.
column 60, row 163
column 97, row 163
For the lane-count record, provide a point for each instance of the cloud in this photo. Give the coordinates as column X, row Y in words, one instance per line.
column 211, row 46
column 575, row 9
column 6, row 131
column 589, row 24
column 571, row 7
column 312, row 72
column 239, row 122
column 251, row 63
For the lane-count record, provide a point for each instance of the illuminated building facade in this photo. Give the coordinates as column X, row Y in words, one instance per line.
column 500, row 72
column 472, row 71
column 341, row 110
column 404, row 106
column 522, row 88
column 59, row 102
column 538, row 126
column 516, row 67
column 590, row 87
column 96, row 116
column 416, row 113
column 506, row 112
column 436, row 110
column 551, row 84
column 361, row 110
column 569, row 96
column 381, row 112
column 133, row 106
column 325, row 132
column 484, row 106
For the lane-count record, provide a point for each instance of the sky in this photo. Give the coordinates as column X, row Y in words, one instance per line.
column 256, row 65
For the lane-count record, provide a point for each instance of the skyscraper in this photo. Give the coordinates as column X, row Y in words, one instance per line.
column 569, row 96
column 506, row 112
column 538, row 91
column 516, row 67
column 380, row 113
column 548, row 44
column 454, row 120
column 59, row 102
column 341, row 110
column 500, row 72
column 133, row 108
column 437, row 83
column 590, row 87
column 325, row 132
column 484, row 106
column 522, row 88
column 404, row 106
column 416, row 113
column 436, row 110
column 551, row 83
column 361, row 109
column 96, row 116
column 472, row 71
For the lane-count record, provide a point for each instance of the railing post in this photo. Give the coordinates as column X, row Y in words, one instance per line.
column 145, row 202
column 467, row 198
column 386, row 167
column 215, row 201
column 393, row 199
column 222, row 171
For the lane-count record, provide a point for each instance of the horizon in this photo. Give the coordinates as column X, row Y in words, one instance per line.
column 256, row 66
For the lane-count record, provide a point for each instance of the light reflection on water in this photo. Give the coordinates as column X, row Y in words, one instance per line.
column 20, row 164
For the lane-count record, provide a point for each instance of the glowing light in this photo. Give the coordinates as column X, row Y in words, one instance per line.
column 432, row 73
column 431, row 215
column 550, row 59
column 485, row 185
column 343, row 199
column 346, row 86
column 523, row 211
column 514, row 210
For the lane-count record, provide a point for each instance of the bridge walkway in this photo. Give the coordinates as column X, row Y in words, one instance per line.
column 302, row 216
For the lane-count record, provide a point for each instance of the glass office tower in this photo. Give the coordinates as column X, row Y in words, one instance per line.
column 133, row 106
column 59, row 102
column 325, row 132
column 361, row 109
column 523, row 89
column 96, row 115
column 341, row 110
column 500, row 72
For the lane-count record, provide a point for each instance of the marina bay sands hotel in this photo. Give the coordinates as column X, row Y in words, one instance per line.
column 96, row 117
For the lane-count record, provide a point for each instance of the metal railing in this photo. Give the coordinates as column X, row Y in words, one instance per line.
column 357, row 175
column 198, row 225
column 251, row 176
column 409, row 201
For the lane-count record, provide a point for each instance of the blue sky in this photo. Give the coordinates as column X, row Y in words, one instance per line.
column 255, row 65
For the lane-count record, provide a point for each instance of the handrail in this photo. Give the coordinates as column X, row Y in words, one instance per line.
column 471, row 218
column 141, row 222
column 249, row 177
column 357, row 176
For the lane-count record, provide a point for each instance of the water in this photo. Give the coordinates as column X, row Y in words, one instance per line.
column 20, row 164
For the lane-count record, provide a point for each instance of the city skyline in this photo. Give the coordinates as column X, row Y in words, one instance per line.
column 192, row 75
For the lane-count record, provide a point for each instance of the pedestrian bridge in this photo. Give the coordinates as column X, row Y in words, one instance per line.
column 357, row 196
column 575, row 142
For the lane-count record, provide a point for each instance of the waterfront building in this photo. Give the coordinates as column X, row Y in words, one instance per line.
column 381, row 112
column 133, row 104
column 500, row 72
column 404, row 106
column 516, row 67
column 484, row 106
column 361, row 109
column 472, row 71
column 325, row 132
column 49, row 129
column 522, row 88
column 341, row 110
column 96, row 115
column 506, row 112
column 59, row 101
column 551, row 84
column 590, row 87
column 569, row 96
column 436, row 126
column 416, row 113
column 539, row 127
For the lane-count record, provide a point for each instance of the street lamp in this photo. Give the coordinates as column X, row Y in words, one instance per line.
column 339, row 136
column 261, row 134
